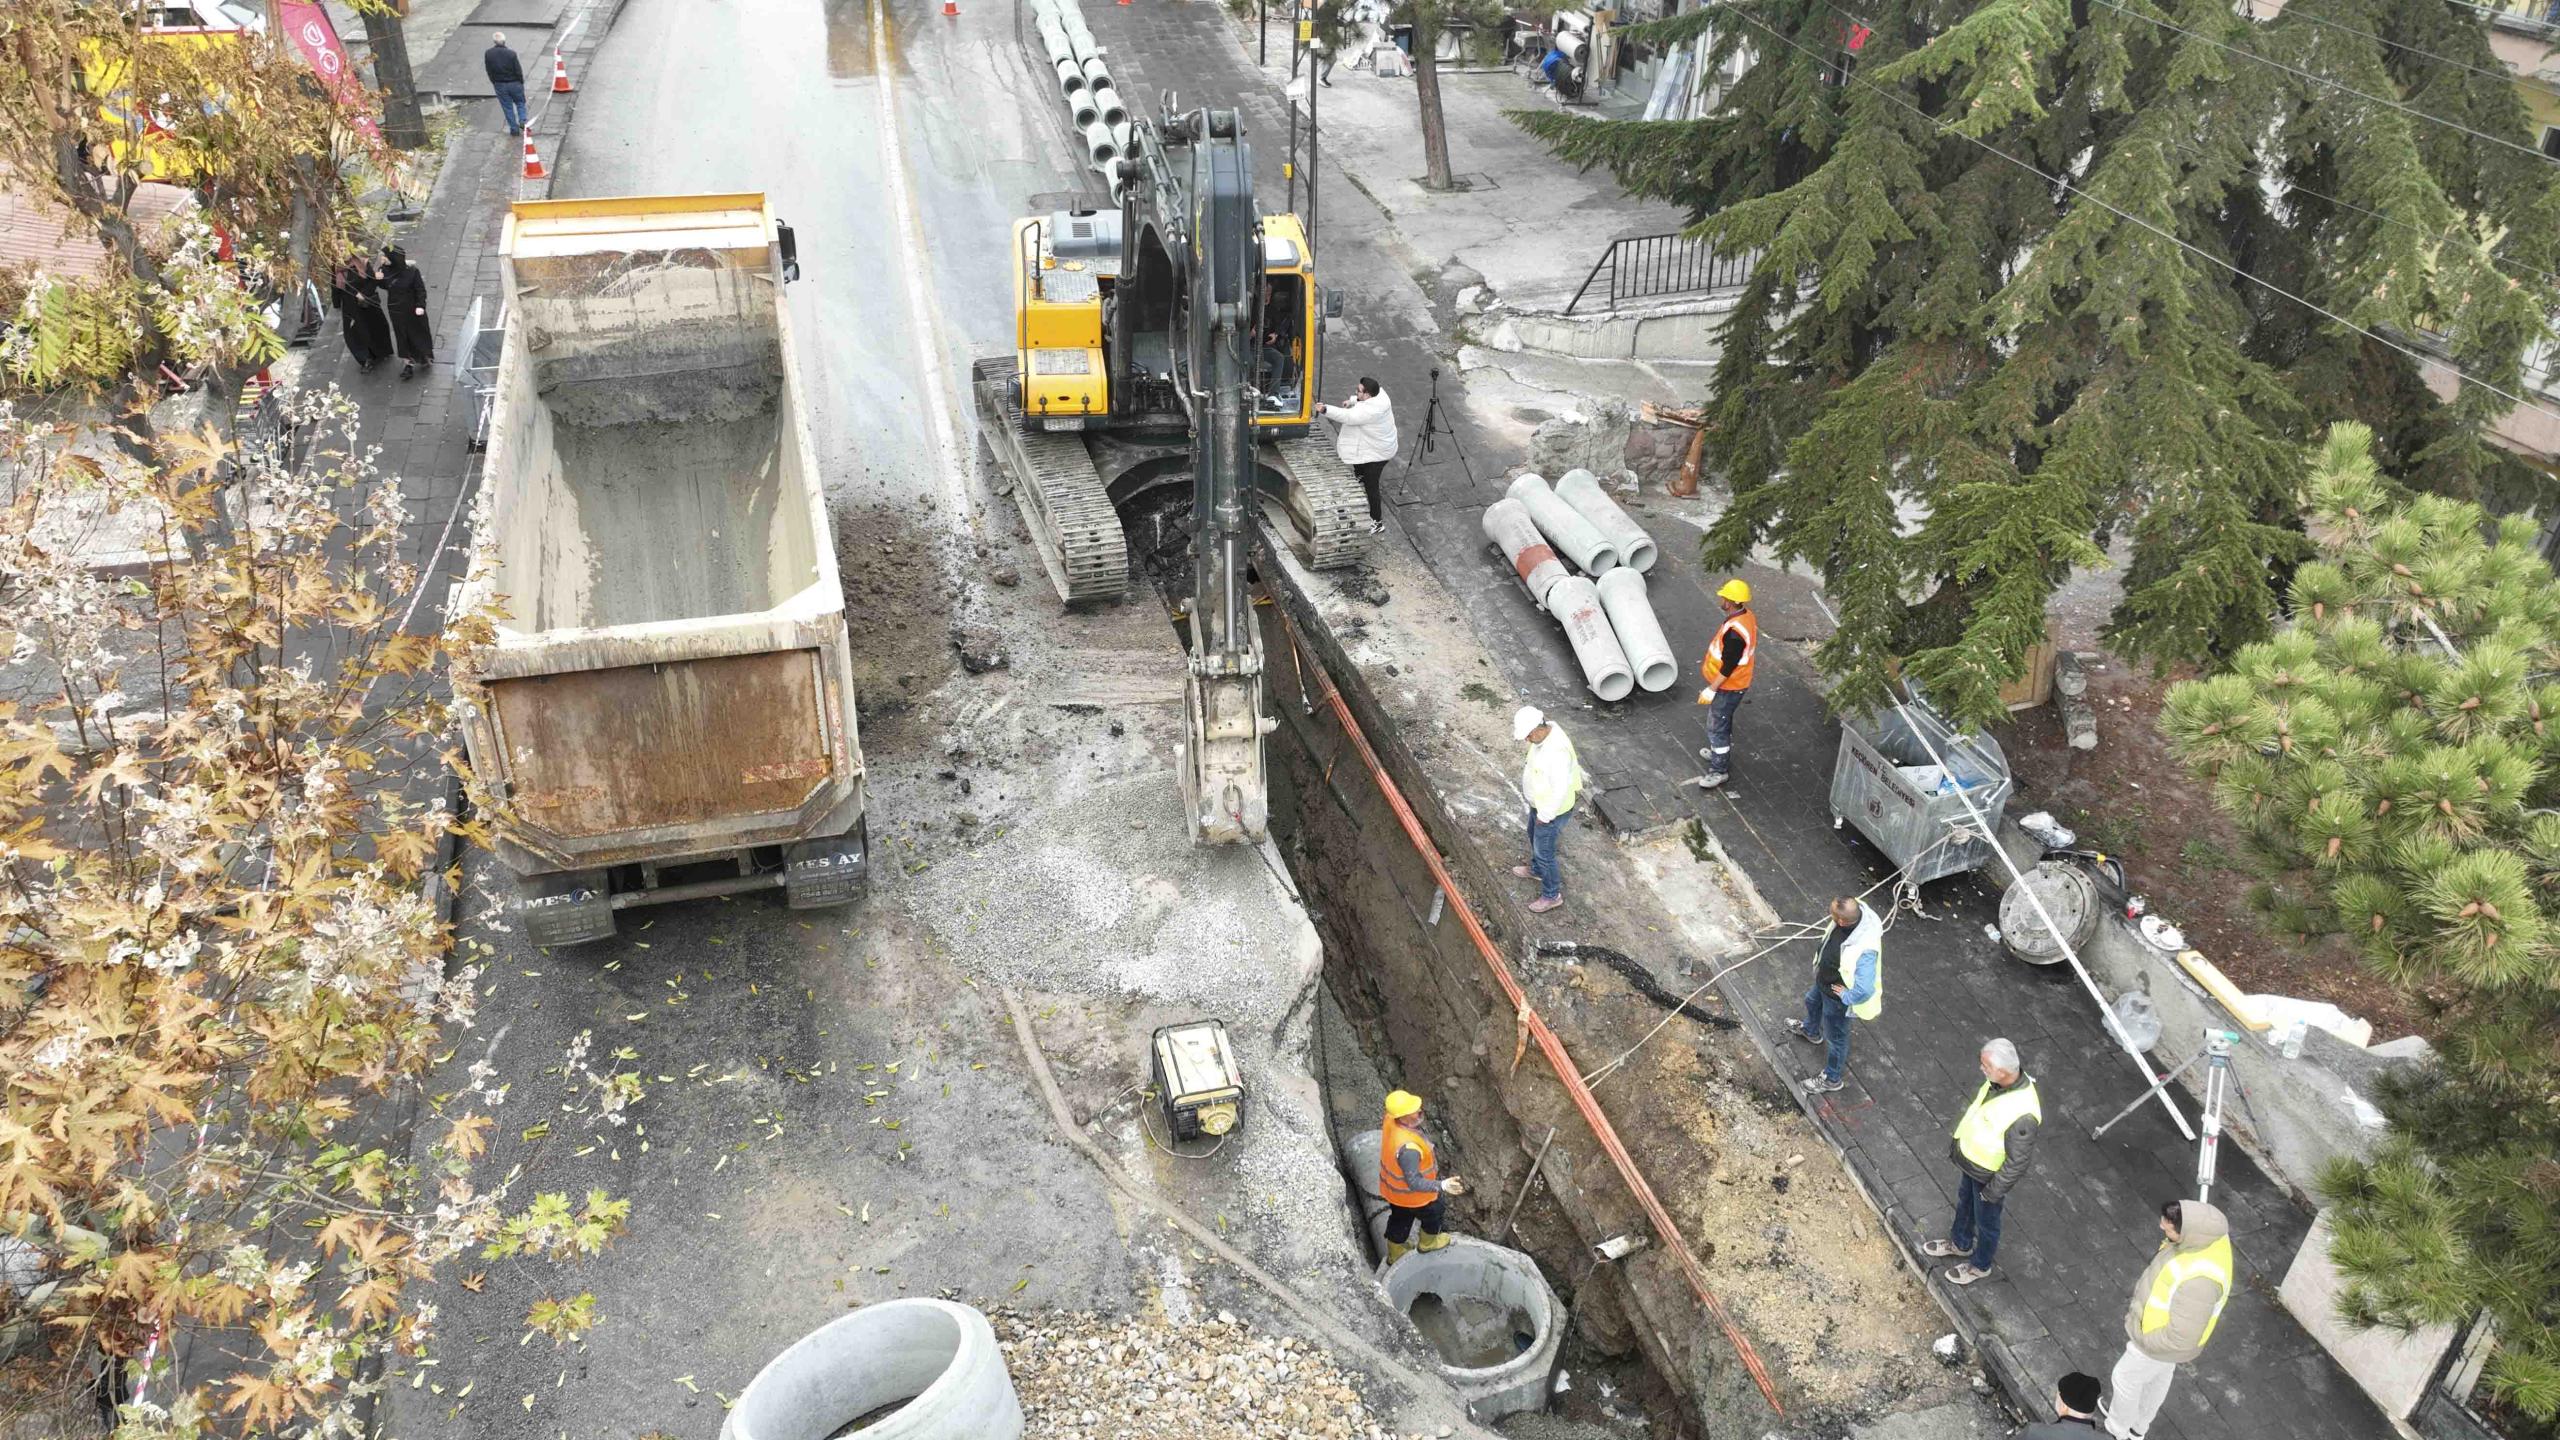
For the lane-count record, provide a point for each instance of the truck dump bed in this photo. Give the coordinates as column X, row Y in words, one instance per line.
column 671, row 679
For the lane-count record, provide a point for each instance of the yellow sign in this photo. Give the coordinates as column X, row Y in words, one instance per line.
column 1306, row 31
column 144, row 130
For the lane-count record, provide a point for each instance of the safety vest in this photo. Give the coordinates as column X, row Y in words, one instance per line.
column 2213, row 1262
column 1391, row 1186
column 1748, row 625
column 1551, row 779
column 1982, row 1132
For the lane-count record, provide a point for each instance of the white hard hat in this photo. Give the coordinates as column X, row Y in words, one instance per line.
column 1528, row 720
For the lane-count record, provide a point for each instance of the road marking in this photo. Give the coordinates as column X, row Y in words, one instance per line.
column 921, row 309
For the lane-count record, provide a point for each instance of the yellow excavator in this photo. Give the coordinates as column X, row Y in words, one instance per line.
column 1176, row 337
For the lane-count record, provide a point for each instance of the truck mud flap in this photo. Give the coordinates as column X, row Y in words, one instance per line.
column 820, row 874
column 565, row 909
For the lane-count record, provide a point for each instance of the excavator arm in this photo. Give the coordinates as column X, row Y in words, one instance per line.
column 1189, row 191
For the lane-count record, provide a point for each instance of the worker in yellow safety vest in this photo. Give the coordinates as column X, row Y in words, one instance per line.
column 1994, row 1143
column 1726, row 667
column 2175, row 1305
column 1848, row 980
column 1551, row 781
column 1409, row 1180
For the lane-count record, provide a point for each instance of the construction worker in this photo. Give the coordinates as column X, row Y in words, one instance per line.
column 1848, row 979
column 1726, row 667
column 1550, row 780
column 1993, row 1146
column 1409, row 1180
column 2175, row 1305
column 2075, row 1411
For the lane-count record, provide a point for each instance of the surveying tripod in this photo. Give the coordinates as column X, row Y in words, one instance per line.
column 2219, row 1081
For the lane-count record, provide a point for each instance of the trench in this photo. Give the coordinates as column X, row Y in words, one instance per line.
column 1405, row 1004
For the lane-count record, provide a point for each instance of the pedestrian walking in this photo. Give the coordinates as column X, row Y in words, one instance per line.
column 1365, row 438
column 506, row 76
column 357, row 297
column 2175, row 1306
column 2075, row 1411
column 1550, row 781
column 1993, row 1146
column 1409, row 1180
column 1726, row 667
column 404, row 294
column 1848, row 980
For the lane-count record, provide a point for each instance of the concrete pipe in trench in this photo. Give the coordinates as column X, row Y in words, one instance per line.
column 1582, row 490
column 1575, row 602
column 1098, row 144
column 1577, row 539
column 1113, row 112
column 939, row 1358
column 1508, row 526
column 1639, row 630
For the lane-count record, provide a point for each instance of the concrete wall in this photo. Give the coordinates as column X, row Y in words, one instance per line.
column 2394, row 1369
column 1682, row 330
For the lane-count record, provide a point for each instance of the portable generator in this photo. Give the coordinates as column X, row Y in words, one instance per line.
column 1197, row 1080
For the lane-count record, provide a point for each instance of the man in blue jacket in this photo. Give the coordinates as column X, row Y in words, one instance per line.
column 1848, row 980
column 506, row 77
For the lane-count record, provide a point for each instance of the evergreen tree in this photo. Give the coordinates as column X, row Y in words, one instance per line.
column 2390, row 753
column 2029, row 365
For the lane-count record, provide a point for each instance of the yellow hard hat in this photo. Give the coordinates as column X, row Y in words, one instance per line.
column 1738, row 591
column 1401, row 1103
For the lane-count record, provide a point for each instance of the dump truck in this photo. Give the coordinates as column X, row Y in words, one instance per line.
column 665, row 708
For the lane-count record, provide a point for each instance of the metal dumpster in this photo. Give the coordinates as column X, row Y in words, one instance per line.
column 1885, row 783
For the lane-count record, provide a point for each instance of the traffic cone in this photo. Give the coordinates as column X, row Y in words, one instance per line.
column 560, row 75
column 951, row 9
column 533, row 158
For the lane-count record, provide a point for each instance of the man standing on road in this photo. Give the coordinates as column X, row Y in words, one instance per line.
column 1365, row 438
column 1409, row 1180
column 1726, row 667
column 2175, row 1305
column 1848, row 979
column 506, row 76
column 1994, row 1144
column 1551, row 781
column 2075, row 1411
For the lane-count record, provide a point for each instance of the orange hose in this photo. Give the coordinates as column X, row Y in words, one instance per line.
column 1534, row 1027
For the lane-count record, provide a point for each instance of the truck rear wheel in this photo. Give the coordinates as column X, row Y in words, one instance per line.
column 568, row 908
column 820, row 874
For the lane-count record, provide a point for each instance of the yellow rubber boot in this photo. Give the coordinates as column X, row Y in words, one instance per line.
column 1433, row 1241
column 1397, row 1250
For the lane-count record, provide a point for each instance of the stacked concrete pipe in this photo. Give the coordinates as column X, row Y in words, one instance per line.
column 1508, row 525
column 1581, row 490
column 1577, row 539
column 1575, row 602
column 1639, row 631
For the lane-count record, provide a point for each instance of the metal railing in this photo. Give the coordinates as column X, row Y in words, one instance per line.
column 2531, row 16
column 1642, row 267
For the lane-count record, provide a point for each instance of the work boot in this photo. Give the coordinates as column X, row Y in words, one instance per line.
column 1433, row 1240
column 1544, row 903
column 1524, row 872
column 1796, row 1028
column 1397, row 1250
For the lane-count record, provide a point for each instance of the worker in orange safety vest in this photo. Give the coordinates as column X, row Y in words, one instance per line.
column 1726, row 667
column 1409, row 1180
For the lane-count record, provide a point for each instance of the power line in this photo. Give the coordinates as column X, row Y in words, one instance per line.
column 2528, row 81
column 2340, row 87
column 2486, row 253
column 1945, row 128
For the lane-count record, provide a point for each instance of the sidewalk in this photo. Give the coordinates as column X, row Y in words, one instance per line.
column 2081, row 1228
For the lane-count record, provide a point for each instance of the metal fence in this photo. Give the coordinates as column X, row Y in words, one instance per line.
column 1641, row 267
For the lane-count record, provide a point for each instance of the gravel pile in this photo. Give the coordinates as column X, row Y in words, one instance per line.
column 1092, row 1377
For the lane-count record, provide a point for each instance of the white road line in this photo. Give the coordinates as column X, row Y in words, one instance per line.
column 919, row 275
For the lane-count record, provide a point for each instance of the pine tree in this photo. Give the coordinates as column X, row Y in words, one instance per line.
column 1937, row 330
column 2393, row 751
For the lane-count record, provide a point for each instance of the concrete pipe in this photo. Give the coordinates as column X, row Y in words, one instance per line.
column 1508, row 526
column 1639, row 632
column 1120, row 136
column 1582, row 490
column 938, row 1358
column 1577, row 539
column 1070, row 78
column 1113, row 112
column 1098, row 144
column 1097, row 70
column 1086, row 108
column 1576, row 603
column 1080, row 40
column 1489, row 1314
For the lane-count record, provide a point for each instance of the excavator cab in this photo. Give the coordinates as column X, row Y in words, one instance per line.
column 1292, row 328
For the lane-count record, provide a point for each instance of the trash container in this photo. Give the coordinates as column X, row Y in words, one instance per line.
column 1885, row 783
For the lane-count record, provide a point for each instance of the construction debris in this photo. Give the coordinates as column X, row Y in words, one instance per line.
column 1090, row 1377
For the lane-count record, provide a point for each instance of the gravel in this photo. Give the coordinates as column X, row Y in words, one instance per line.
column 1088, row 1377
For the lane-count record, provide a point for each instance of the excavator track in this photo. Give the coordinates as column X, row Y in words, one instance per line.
column 1324, row 502
column 1060, row 492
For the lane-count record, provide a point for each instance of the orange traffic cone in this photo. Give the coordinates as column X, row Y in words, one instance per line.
column 533, row 158
column 560, row 75
column 951, row 9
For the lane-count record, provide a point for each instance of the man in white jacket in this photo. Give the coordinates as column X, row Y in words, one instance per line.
column 1550, row 780
column 1365, row 438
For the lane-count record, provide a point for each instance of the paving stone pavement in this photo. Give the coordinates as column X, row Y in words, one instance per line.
column 2081, row 1228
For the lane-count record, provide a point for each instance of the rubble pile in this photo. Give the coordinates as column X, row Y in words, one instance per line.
column 1095, row 1377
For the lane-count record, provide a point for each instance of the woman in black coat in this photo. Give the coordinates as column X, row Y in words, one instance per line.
column 359, row 304
column 404, row 292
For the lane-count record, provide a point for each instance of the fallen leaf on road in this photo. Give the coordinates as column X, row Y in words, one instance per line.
column 475, row 1280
